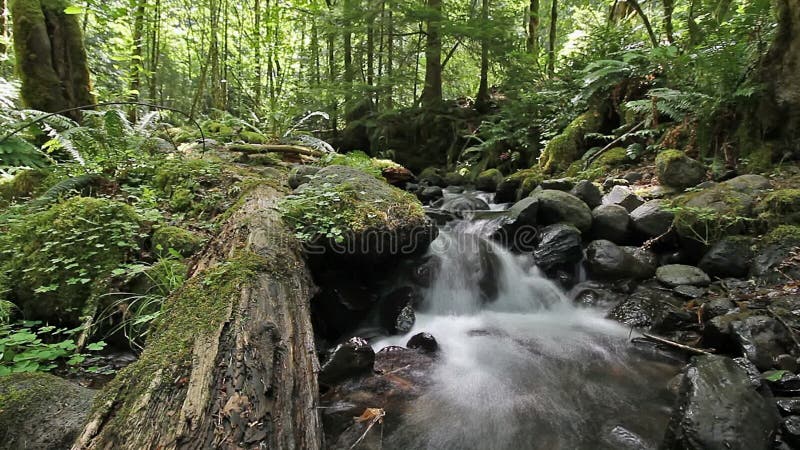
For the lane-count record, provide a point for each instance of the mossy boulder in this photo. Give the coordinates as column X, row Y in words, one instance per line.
column 252, row 137
column 602, row 165
column 345, row 214
column 780, row 207
column 675, row 169
column 559, row 206
column 41, row 411
column 59, row 257
column 22, row 186
column 720, row 210
column 523, row 181
column 179, row 239
column 197, row 187
column 488, row 180
column 454, row 179
column 564, row 149
column 432, row 176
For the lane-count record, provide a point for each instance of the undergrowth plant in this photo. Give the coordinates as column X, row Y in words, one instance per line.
column 29, row 346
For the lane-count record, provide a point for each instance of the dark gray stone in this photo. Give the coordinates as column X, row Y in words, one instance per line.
column 610, row 222
column 675, row 275
column 623, row 196
column 560, row 184
column 559, row 244
column 424, row 342
column 651, row 219
column 558, row 206
column 588, row 192
column 730, row 257
column 718, row 409
column 352, row 358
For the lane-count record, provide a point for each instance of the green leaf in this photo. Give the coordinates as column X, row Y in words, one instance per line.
column 72, row 10
column 774, row 375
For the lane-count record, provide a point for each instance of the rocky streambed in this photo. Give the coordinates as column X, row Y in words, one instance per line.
column 576, row 316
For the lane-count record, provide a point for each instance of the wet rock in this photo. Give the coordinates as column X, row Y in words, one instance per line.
column 790, row 431
column 454, row 179
column 354, row 357
column 396, row 310
column 454, row 189
column 717, row 307
column 610, row 222
column 623, row 196
column 561, row 184
column 728, row 258
column 718, row 409
column 786, row 362
column 301, row 175
column 506, row 191
column 424, row 342
column 622, row 438
column 788, row 406
column 524, row 212
column 651, row 309
column 675, row 275
column 782, row 382
column 559, row 245
column 588, row 192
column 459, row 205
column 677, row 170
column 430, row 194
column 761, row 339
column 607, row 260
column 41, row 411
column 593, row 294
column 651, row 219
column 753, row 374
column 689, row 291
column 397, row 176
column 647, row 260
column 425, row 273
column 558, row 206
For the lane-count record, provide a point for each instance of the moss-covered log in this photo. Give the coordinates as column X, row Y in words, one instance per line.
column 51, row 58
column 231, row 363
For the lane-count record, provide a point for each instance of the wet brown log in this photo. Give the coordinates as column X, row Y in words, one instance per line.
column 231, row 363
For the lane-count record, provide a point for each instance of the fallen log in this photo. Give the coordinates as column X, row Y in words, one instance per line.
column 231, row 363
column 274, row 148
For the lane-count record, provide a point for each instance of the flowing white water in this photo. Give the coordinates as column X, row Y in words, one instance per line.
column 520, row 367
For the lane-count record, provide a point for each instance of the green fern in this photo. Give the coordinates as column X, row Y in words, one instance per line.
column 671, row 103
column 17, row 152
column 66, row 187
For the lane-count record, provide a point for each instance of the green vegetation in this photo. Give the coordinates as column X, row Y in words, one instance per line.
column 564, row 149
column 174, row 238
column 31, row 347
column 359, row 160
column 59, row 256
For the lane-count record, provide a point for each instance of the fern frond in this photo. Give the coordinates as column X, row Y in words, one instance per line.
column 64, row 143
column 64, row 188
column 116, row 125
column 147, row 122
column 17, row 152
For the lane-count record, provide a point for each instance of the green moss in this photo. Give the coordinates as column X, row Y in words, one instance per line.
column 21, row 392
column 195, row 312
column 668, row 156
column 711, row 214
column 359, row 160
column 338, row 202
column 181, row 240
column 564, row 149
column 454, row 179
column 56, row 257
column 534, row 173
column 760, row 159
column 24, row 185
column 780, row 207
column 488, row 180
column 251, row 137
column 783, row 234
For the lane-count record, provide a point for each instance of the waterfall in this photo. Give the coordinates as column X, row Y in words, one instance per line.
column 521, row 367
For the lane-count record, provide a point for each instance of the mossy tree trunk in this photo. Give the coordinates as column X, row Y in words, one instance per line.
column 779, row 110
column 432, row 92
column 232, row 362
column 51, row 58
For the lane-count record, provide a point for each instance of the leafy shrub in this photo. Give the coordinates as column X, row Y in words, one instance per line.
column 358, row 160
column 30, row 347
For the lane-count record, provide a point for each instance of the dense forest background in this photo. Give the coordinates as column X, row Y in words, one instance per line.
column 468, row 84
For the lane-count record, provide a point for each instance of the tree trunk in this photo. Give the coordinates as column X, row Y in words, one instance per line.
column 232, row 363
column 3, row 26
column 669, row 8
column 780, row 74
column 638, row 8
column 155, row 53
column 482, row 99
column 137, row 56
column 551, row 48
column 50, row 55
column 432, row 91
column 533, row 28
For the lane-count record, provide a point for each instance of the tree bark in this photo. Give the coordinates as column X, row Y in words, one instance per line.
column 232, row 363
column 551, row 48
column 50, row 55
column 137, row 56
column 780, row 74
column 533, row 28
column 482, row 99
column 432, row 91
column 669, row 8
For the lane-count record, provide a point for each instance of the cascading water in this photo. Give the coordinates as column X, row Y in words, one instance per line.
column 520, row 367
